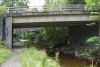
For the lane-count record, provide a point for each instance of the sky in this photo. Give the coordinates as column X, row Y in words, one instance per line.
column 36, row 2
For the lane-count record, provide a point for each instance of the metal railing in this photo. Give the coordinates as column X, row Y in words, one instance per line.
column 23, row 9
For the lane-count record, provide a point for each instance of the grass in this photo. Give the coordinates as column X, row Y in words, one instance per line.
column 4, row 53
column 32, row 57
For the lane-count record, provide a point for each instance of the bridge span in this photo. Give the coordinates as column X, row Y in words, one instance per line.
column 56, row 18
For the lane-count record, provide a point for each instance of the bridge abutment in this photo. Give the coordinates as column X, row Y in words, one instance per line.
column 8, row 31
column 98, row 29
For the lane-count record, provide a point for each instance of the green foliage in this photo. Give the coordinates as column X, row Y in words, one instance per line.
column 29, row 37
column 94, row 51
column 2, row 44
column 76, row 1
column 32, row 38
column 2, row 11
column 10, row 3
column 4, row 52
column 65, row 2
column 93, row 4
column 16, row 36
column 94, row 39
column 54, row 36
column 58, row 2
column 33, row 58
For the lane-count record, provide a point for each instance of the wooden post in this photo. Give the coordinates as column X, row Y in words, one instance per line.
column 8, row 28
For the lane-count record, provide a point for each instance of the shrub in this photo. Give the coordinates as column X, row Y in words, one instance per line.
column 2, row 11
column 28, row 36
column 93, row 52
column 33, row 58
column 4, row 52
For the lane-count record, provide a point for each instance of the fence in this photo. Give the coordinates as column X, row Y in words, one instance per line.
column 72, row 7
column 45, row 8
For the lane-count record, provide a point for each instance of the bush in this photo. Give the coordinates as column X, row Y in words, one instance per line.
column 2, row 11
column 54, row 36
column 4, row 52
column 33, row 58
column 93, row 52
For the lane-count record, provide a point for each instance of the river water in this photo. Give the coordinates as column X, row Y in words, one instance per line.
column 71, row 61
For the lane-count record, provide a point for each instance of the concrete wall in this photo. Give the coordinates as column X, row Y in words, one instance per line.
column 1, row 30
column 9, row 30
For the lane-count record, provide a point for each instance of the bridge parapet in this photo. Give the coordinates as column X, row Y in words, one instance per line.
column 46, row 10
column 23, row 9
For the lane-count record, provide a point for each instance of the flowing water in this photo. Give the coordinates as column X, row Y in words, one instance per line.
column 71, row 61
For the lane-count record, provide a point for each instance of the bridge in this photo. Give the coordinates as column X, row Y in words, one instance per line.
column 50, row 16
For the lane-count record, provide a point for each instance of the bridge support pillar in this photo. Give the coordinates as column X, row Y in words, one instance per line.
column 98, row 29
column 8, row 29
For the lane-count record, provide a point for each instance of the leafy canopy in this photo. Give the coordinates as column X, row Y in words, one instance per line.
column 10, row 3
column 2, row 10
column 93, row 4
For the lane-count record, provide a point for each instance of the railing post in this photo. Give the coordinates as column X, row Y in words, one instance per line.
column 60, row 7
column 7, row 10
column 85, row 7
column 48, row 8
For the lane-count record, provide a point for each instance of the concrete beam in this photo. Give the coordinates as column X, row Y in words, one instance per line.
column 8, row 27
column 54, row 18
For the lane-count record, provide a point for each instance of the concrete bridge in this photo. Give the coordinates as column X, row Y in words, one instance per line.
column 25, row 17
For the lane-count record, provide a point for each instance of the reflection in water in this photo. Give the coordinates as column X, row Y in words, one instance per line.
column 70, row 61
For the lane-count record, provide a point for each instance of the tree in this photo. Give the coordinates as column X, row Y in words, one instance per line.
column 93, row 52
column 2, row 11
column 93, row 4
column 65, row 2
column 76, row 1
column 10, row 3
column 57, row 2
column 54, row 36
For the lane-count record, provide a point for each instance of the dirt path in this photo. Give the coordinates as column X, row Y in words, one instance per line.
column 14, row 60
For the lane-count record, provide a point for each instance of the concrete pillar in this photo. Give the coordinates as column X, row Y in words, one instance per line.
column 0, row 29
column 98, row 29
column 3, row 30
column 8, row 28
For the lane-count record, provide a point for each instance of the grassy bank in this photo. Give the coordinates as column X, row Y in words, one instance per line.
column 4, row 53
column 31, row 57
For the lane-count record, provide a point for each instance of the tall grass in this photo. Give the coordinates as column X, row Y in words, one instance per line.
column 31, row 57
column 4, row 53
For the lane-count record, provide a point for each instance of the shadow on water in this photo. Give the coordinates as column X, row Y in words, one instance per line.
column 71, row 61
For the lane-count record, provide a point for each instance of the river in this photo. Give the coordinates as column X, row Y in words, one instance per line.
column 72, row 61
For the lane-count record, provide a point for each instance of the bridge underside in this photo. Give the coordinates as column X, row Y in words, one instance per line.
column 50, row 24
